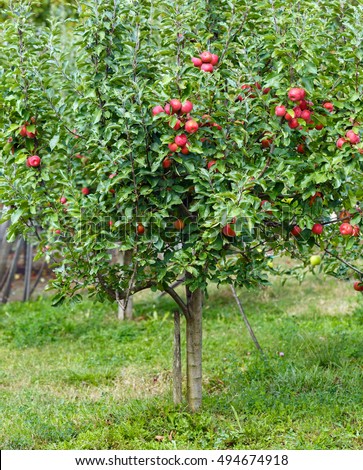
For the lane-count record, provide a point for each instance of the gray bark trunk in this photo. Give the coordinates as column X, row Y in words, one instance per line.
column 125, row 307
column 4, row 250
column 194, row 349
column 12, row 271
column 177, row 365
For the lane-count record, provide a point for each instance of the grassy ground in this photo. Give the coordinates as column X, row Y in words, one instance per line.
column 79, row 379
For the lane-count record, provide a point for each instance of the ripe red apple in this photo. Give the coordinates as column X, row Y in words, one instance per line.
column 296, row 94
column 215, row 59
column 352, row 137
column 297, row 112
column 177, row 125
column 288, row 117
column 33, row 161
column 340, row 142
column 167, row 162
column 173, row 147
column 329, row 107
column 303, row 104
column 293, row 124
column 140, row 229
column 23, row 131
column 265, row 91
column 346, row 229
column 316, row 195
column 157, row 110
column 317, row 229
column 110, row 223
column 184, row 150
column 180, row 140
column 197, row 62
column 265, row 143
column 358, row 286
column 58, row 232
column 319, row 127
column 211, row 163
column 228, row 231
column 356, row 231
column 85, row 191
column 175, row 105
column 63, row 200
column 280, row 110
column 296, row 231
column 191, row 126
column 187, row 107
column 306, row 115
column 30, row 135
column 206, row 56
column 300, row 148
column 207, row 67
column 179, row 224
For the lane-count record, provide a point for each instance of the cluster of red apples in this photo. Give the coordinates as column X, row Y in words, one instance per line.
column 206, row 61
column 302, row 110
column 32, row 161
column 182, row 110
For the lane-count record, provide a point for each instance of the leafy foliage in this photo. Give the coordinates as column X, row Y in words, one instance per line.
column 86, row 94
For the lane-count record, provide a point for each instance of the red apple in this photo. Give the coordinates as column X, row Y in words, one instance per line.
column 317, row 229
column 167, row 162
column 197, row 62
column 180, row 140
column 206, row 56
column 63, row 200
column 346, row 229
column 293, row 124
column 297, row 111
column 85, row 191
column 288, row 117
column 173, row 147
column 211, row 163
column 140, row 229
column 207, row 67
column 175, row 105
column 179, row 224
column 303, row 105
column 356, row 231
column 300, row 148
column 184, row 150
column 191, row 126
column 215, row 59
column 280, row 111
column 306, row 115
column 30, row 135
column 265, row 91
column 177, row 125
column 228, row 231
column 33, row 161
column 296, row 231
column 352, row 137
column 340, row 142
column 157, row 110
column 329, row 107
column 23, row 131
column 265, row 143
column 296, row 94
column 187, row 107
column 167, row 109
column 319, row 127
column 358, row 286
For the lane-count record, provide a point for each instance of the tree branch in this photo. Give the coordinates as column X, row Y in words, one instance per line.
column 178, row 300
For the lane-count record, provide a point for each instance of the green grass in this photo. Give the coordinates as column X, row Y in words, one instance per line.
column 76, row 378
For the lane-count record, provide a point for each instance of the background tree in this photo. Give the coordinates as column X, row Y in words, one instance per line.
column 261, row 166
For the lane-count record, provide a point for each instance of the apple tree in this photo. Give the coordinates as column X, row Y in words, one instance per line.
column 198, row 136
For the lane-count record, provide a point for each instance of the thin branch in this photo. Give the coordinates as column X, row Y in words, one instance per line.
column 178, row 300
column 341, row 260
column 245, row 319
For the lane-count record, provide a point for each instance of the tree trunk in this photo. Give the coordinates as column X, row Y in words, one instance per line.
column 125, row 307
column 4, row 250
column 12, row 271
column 177, row 365
column 194, row 348
column 28, row 258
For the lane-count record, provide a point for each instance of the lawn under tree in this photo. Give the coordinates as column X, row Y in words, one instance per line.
column 77, row 378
